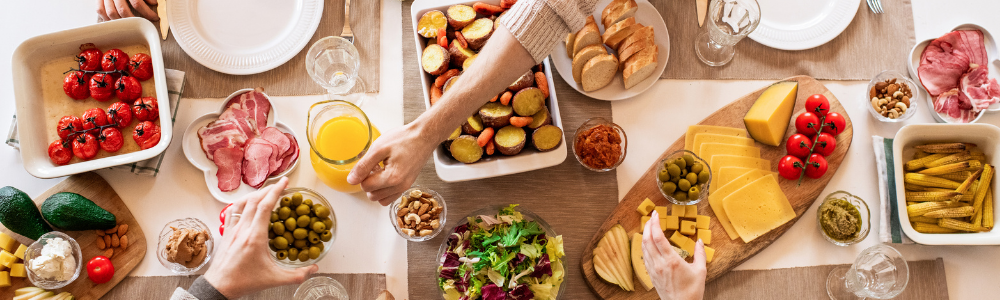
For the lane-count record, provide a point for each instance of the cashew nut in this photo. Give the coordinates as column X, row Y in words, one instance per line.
column 901, row 106
column 409, row 232
column 412, row 219
column 404, row 201
column 893, row 114
column 415, row 194
column 897, row 94
column 883, row 101
column 426, row 232
column 435, row 224
column 875, row 103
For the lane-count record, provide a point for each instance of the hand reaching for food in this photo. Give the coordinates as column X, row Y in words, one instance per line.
column 108, row 10
column 402, row 153
column 674, row 278
column 242, row 264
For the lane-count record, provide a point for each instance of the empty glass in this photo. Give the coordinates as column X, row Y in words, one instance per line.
column 320, row 288
column 333, row 63
column 729, row 21
column 880, row 272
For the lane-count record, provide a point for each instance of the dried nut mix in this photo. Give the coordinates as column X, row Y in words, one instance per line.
column 889, row 98
column 111, row 239
column 419, row 214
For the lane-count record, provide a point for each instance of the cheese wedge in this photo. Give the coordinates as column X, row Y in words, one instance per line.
column 758, row 208
column 767, row 120
column 703, row 138
column 696, row 129
column 715, row 199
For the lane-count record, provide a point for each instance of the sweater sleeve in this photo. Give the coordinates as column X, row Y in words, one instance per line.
column 199, row 290
column 540, row 24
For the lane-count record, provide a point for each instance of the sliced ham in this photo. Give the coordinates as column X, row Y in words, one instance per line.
column 291, row 156
column 274, row 160
column 942, row 63
column 230, row 163
column 275, row 136
column 220, row 134
column 979, row 89
column 953, row 104
column 241, row 117
column 256, row 164
column 256, row 105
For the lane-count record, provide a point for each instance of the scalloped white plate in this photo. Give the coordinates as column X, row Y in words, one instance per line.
column 243, row 37
column 801, row 25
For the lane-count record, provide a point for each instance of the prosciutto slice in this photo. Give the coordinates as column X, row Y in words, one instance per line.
column 256, row 105
column 979, row 88
column 256, row 164
column 955, row 105
column 220, row 134
column 230, row 163
column 942, row 63
column 236, row 114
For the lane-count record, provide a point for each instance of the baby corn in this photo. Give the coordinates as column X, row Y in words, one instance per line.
column 919, row 209
column 931, row 196
column 918, row 163
column 931, row 228
column 957, row 176
column 969, row 182
column 952, row 168
column 945, row 147
column 929, row 181
column 977, row 202
column 952, row 212
column 988, row 210
column 949, row 159
column 958, row 225
column 923, row 219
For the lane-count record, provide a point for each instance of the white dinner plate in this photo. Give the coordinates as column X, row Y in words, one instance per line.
column 800, row 25
column 243, row 37
column 647, row 15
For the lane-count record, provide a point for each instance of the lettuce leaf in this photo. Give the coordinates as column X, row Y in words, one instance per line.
column 554, row 247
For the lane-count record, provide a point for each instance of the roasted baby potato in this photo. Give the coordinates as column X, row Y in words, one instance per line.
column 459, row 54
column 541, row 118
column 466, row 149
column 478, row 32
column 528, row 101
column 460, row 16
column 473, row 126
column 525, row 81
column 495, row 114
column 434, row 59
column 546, row 138
column 430, row 23
column 510, row 140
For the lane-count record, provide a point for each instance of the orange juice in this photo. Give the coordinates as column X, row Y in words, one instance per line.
column 340, row 138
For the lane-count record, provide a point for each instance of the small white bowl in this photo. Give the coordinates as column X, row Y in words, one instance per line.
column 913, row 63
column 35, row 250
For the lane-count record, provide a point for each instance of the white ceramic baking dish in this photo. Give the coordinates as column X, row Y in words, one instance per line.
column 31, row 119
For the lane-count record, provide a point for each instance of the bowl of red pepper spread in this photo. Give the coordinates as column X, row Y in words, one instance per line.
column 600, row 145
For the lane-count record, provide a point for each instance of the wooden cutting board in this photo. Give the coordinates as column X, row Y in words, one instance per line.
column 95, row 188
column 729, row 253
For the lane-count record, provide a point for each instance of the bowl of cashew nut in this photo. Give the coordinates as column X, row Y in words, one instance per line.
column 418, row 215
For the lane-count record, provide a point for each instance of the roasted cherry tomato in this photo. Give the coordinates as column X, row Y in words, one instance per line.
column 89, row 57
column 818, row 105
column 69, row 125
column 85, row 146
column 111, row 139
column 114, row 60
column 825, row 144
column 127, row 88
column 102, row 87
column 100, row 269
column 798, row 145
column 146, row 134
column 807, row 123
column 60, row 152
column 75, row 85
column 93, row 118
column 834, row 124
column 120, row 114
column 790, row 167
column 146, row 109
column 816, row 166
column 141, row 66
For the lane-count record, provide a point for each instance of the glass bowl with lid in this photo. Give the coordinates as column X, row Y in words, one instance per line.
column 584, row 153
column 317, row 228
column 844, row 212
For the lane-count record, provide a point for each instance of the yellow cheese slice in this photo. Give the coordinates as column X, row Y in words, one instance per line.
column 727, row 174
column 703, row 138
column 715, row 199
column 768, row 118
column 696, row 129
column 712, row 149
column 720, row 161
column 758, row 208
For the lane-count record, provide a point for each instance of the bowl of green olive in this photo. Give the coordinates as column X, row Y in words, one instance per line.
column 303, row 226
column 683, row 178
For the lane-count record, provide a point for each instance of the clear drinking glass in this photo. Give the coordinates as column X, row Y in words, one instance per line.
column 729, row 21
column 880, row 272
column 321, row 288
column 333, row 63
column 339, row 135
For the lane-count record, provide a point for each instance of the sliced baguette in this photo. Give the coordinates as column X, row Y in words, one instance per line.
column 587, row 36
column 570, row 38
column 642, row 34
column 702, row 10
column 615, row 39
column 618, row 10
column 628, row 51
column 581, row 59
column 640, row 66
column 598, row 72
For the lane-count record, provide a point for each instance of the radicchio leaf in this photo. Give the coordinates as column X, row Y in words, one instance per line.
column 518, row 259
column 521, row 292
column 493, row 292
column 448, row 273
column 543, row 267
column 450, row 260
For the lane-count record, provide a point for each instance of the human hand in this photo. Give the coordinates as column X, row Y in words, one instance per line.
column 403, row 152
column 242, row 265
column 109, row 10
column 674, row 278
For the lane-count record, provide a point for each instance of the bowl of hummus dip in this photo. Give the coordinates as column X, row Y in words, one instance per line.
column 185, row 246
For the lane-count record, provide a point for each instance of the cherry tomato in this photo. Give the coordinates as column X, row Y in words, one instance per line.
column 825, row 144
column 816, row 166
column 111, row 139
column 60, row 152
column 93, row 118
column 834, row 124
column 141, row 66
column 817, row 104
column 102, row 87
column 790, row 167
column 127, row 88
column 807, row 123
column 89, row 57
column 85, row 146
column 222, row 214
column 120, row 114
column 75, row 85
column 100, row 269
column 146, row 134
column 798, row 145
column 146, row 109
column 114, row 60
column 69, row 125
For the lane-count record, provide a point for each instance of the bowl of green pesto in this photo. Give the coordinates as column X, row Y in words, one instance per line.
column 844, row 219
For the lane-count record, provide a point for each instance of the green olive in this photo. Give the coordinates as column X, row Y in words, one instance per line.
column 703, row 176
column 303, row 222
column 674, row 170
column 663, row 175
column 688, row 159
column 271, row 234
column 321, row 246
column 304, row 256
column 314, row 238
column 683, row 184
column 308, row 202
column 681, row 162
column 329, row 223
column 281, row 243
column 326, row 236
column 300, row 244
column 290, row 224
column 293, row 252
column 288, row 236
column 300, row 233
column 697, row 167
column 270, row 245
column 274, row 217
column 314, row 252
column 282, row 254
column 313, row 220
column 692, row 178
column 284, row 212
column 681, row 196
column 318, row 227
column 321, row 211
column 302, row 210
column 693, row 193
column 296, row 199
column 278, row 228
column 684, row 173
column 668, row 187
column 285, row 201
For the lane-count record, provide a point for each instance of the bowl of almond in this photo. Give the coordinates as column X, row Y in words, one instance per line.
column 418, row 215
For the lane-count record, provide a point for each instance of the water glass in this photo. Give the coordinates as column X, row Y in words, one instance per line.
column 320, row 288
column 729, row 21
column 333, row 63
column 879, row 272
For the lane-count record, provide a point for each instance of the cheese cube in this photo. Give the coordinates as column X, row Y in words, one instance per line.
column 689, row 247
column 645, row 207
column 642, row 223
column 4, row 279
column 705, row 236
column 688, row 227
column 691, row 212
column 703, row 221
column 662, row 210
column 20, row 251
column 17, row 270
column 677, row 210
column 671, row 222
column 681, row 241
column 8, row 243
column 757, row 208
column 695, row 130
column 6, row 258
column 767, row 119
column 709, row 254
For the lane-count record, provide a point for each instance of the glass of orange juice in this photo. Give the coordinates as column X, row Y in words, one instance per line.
column 339, row 135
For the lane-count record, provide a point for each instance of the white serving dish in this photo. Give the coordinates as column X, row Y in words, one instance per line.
column 985, row 136
column 647, row 15
column 451, row 170
column 192, row 150
column 801, row 25
column 31, row 118
column 913, row 62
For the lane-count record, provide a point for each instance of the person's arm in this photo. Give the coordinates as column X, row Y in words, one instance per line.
column 199, row 290
column 673, row 278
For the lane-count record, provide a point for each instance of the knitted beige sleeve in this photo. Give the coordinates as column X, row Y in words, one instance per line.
column 540, row 24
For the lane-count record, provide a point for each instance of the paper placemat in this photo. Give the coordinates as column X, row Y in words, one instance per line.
column 291, row 78
column 871, row 44
column 359, row 286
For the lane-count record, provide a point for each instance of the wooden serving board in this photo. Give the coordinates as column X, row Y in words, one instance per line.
column 95, row 188
column 729, row 253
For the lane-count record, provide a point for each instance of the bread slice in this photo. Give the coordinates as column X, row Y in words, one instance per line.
column 619, row 31
column 570, row 38
column 640, row 66
column 588, row 35
column 598, row 72
column 584, row 56
column 618, row 10
column 628, row 51
column 642, row 34
column 702, row 10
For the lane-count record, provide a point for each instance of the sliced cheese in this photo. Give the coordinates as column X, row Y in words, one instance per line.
column 694, row 130
column 719, row 161
column 727, row 174
column 768, row 118
column 715, row 199
column 703, row 138
column 758, row 208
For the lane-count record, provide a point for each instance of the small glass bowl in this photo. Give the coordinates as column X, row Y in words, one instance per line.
column 900, row 78
column 862, row 208
column 317, row 199
column 591, row 123
column 320, row 287
column 35, row 250
column 702, row 194
column 168, row 231
column 394, row 208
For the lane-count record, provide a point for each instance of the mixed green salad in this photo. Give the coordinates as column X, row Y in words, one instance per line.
column 500, row 257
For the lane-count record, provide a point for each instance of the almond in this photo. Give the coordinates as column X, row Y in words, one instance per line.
column 100, row 232
column 124, row 242
column 101, row 245
column 112, row 230
column 122, row 229
column 115, row 241
column 109, row 253
column 107, row 240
